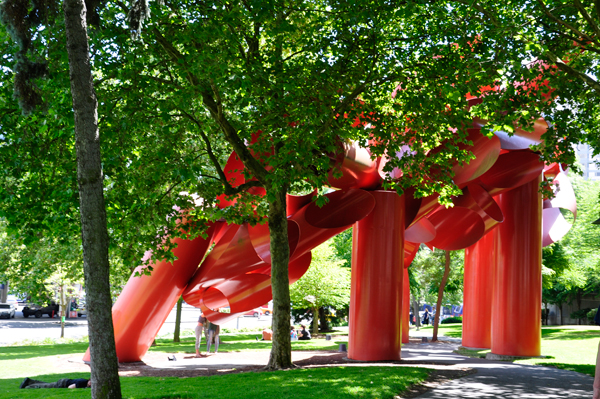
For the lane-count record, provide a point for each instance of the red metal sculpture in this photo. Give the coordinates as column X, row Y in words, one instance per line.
column 389, row 228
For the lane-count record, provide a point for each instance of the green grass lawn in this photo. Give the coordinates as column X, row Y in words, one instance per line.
column 247, row 342
column 322, row 383
column 566, row 347
column 36, row 360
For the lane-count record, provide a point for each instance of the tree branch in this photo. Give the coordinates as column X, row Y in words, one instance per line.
column 175, row 55
column 212, row 106
column 232, row 137
column 156, row 79
column 479, row 7
column 561, row 22
column 588, row 18
column 229, row 189
column 573, row 72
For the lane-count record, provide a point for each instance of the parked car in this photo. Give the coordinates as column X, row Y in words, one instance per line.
column 38, row 311
column 82, row 309
column 7, row 310
column 254, row 312
column 266, row 310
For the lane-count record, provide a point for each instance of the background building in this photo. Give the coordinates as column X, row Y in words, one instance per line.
column 591, row 170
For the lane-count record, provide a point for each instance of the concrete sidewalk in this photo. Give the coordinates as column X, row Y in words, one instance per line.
column 496, row 379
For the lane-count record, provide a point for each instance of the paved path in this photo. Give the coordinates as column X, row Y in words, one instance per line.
column 496, row 379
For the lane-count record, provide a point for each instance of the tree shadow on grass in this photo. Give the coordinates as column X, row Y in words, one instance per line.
column 569, row 334
column 588, row 369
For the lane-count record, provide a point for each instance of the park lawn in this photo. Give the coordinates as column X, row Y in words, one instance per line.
column 35, row 358
column 321, row 383
column 16, row 360
column 453, row 330
column 246, row 342
column 566, row 347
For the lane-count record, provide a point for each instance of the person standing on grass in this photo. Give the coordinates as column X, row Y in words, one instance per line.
column 198, row 331
column 213, row 335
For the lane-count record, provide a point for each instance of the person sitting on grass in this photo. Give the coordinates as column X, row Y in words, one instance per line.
column 303, row 334
column 62, row 383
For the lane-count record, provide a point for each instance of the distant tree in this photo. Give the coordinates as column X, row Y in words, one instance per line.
column 326, row 283
column 343, row 247
column 440, row 296
column 426, row 273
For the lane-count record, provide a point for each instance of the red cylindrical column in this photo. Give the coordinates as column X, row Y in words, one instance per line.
column 405, row 306
column 480, row 262
column 516, row 309
column 377, row 269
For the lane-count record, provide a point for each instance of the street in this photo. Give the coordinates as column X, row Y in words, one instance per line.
column 22, row 329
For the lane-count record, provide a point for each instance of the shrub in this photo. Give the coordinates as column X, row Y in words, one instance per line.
column 590, row 315
column 452, row 320
column 580, row 314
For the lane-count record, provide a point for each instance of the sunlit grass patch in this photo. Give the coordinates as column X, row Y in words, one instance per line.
column 321, row 383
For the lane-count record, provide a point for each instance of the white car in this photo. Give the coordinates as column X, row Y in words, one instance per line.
column 81, row 310
column 7, row 310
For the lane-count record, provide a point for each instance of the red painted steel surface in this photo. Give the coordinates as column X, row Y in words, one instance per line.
column 146, row 301
column 357, row 169
column 405, row 306
column 516, row 306
column 486, row 151
column 513, row 169
column 480, row 260
column 377, row 274
column 319, row 224
column 236, row 273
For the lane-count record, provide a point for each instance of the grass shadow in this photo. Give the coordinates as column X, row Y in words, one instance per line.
column 588, row 369
column 318, row 383
column 569, row 334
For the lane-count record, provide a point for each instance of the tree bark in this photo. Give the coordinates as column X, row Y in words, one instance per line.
column 436, row 320
column 323, row 320
column 315, row 320
column 416, row 313
column 94, row 233
column 561, row 313
column 281, row 351
column 178, row 321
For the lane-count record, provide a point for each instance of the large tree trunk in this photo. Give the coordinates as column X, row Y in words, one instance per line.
column 323, row 319
column 94, row 233
column 178, row 321
column 281, row 351
column 436, row 320
column 579, row 295
column 416, row 307
column 315, row 320
column 560, row 305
